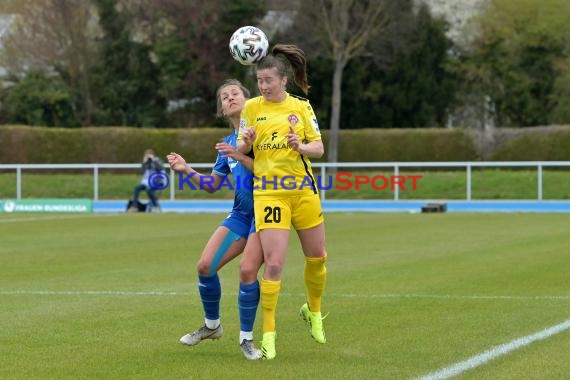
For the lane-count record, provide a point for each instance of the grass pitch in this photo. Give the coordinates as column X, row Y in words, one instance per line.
column 108, row 296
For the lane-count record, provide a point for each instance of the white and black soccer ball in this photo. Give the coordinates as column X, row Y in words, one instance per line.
column 249, row 45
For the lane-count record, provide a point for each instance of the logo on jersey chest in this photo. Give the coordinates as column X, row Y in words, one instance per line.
column 293, row 119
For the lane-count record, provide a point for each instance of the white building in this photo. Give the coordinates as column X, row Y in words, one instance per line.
column 458, row 14
column 5, row 23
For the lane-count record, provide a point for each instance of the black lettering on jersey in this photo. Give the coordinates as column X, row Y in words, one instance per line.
column 261, row 118
column 268, row 146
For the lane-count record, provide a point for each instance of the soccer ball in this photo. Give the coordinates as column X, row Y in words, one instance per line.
column 248, row 45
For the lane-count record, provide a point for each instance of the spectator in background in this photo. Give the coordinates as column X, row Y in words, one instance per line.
column 150, row 164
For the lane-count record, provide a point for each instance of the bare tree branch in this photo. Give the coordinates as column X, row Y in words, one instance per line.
column 54, row 35
column 347, row 26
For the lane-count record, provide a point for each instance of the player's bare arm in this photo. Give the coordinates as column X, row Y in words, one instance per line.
column 247, row 138
column 229, row 151
column 179, row 164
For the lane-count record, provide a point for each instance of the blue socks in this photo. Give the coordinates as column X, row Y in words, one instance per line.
column 248, row 299
column 210, row 293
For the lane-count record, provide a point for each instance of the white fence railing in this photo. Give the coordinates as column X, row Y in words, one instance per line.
column 323, row 167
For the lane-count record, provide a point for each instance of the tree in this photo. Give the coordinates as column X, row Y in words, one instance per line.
column 125, row 76
column 346, row 26
column 39, row 100
column 190, row 42
column 517, row 59
column 9, row 6
column 561, row 92
column 405, row 78
column 54, row 35
column 418, row 88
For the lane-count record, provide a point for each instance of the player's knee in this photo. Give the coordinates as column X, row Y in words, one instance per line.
column 203, row 268
column 273, row 270
column 317, row 253
column 247, row 274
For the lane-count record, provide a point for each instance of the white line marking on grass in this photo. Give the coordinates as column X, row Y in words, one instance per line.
column 61, row 217
column 90, row 292
column 495, row 352
column 458, row 297
column 174, row 293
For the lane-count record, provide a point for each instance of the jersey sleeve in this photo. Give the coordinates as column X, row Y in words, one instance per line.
column 312, row 131
column 245, row 118
column 221, row 167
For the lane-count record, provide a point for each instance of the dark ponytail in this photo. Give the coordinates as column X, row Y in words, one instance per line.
column 280, row 54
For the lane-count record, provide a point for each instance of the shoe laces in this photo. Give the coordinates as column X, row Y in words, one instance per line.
column 201, row 331
column 247, row 345
column 204, row 331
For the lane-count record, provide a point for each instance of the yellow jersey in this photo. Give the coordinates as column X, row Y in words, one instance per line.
column 278, row 170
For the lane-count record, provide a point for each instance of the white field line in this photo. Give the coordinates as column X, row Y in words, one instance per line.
column 459, row 297
column 495, row 352
column 186, row 294
column 59, row 217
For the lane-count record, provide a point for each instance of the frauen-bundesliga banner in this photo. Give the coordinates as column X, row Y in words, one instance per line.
column 47, row 205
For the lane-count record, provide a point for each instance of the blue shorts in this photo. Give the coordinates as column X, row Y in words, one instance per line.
column 239, row 224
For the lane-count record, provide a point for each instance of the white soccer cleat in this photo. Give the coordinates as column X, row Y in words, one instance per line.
column 195, row 337
column 249, row 350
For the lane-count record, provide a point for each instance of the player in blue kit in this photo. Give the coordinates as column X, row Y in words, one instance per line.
column 234, row 235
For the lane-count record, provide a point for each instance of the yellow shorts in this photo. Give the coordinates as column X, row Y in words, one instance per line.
column 301, row 212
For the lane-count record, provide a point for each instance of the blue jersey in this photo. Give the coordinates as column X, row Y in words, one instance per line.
column 243, row 199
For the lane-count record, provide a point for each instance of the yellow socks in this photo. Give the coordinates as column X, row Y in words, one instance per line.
column 315, row 274
column 269, row 295
column 315, row 280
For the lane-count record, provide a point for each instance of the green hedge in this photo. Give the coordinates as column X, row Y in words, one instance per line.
column 537, row 145
column 405, row 145
column 104, row 145
column 23, row 144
